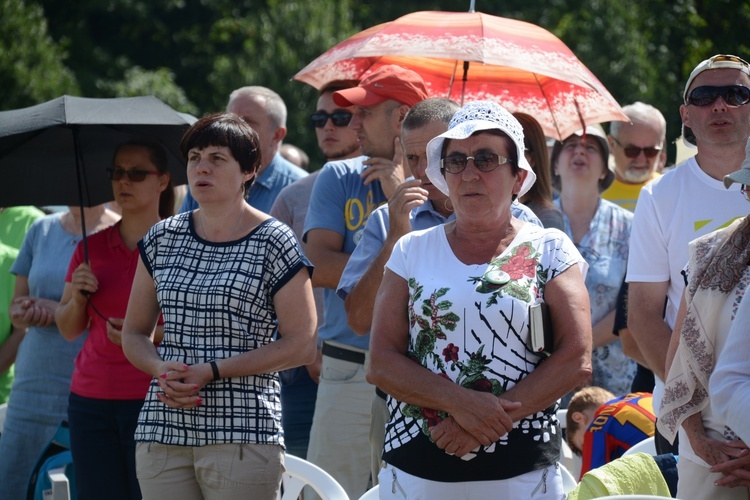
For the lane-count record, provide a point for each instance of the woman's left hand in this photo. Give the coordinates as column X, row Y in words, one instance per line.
column 181, row 383
column 737, row 470
column 114, row 330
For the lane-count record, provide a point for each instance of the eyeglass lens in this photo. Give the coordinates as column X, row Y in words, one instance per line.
column 634, row 151
column 486, row 162
column 339, row 118
column 706, row 95
column 116, row 174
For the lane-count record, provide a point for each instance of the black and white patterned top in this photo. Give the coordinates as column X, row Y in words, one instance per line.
column 217, row 302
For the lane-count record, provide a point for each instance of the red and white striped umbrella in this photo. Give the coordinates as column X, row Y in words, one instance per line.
column 470, row 56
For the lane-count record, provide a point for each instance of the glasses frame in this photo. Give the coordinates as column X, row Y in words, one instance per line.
column 732, row 95
column 338, row 118
column 135, row 175
column 745, row 190
column 488, row 167
column 633, row 152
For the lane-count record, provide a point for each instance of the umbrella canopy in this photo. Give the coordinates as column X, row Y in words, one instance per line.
column 44, row 148
column 470, row 56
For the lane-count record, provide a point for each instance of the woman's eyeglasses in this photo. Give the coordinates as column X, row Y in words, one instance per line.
column 339, row 118
column 486, row 162
column 634, row 151
column 115, row 174
column 706, row 95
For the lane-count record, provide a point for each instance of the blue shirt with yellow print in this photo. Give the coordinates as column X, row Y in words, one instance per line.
column 341, row 202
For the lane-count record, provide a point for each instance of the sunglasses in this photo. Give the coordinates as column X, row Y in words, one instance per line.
column 115, row 174
column 745, row 190
column 634, row 151
column 486, row 162
column 339, row 118
column 733, row 95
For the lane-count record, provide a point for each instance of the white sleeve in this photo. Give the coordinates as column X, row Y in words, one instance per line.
column 729, row 386
column 648, row 259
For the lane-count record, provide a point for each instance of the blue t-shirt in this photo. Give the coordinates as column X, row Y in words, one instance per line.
column 341, row 202
column 276, row 176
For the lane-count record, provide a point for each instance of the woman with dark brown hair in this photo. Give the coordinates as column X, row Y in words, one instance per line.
column 226, row 277
column 539, row 197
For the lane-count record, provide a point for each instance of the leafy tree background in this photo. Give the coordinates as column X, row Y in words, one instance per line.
column 193, row 53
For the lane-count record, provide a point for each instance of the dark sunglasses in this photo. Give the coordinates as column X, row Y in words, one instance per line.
column 339, row 118
column 115, row 174
column 733, row 95
column 486, row 162
column 634, row 151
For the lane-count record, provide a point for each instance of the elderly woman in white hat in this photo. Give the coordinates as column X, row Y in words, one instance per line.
column 472, row 404
column 601, row 232
column 717, row 275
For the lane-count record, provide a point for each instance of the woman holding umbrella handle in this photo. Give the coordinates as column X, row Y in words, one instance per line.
column 227, row 277
column 107, row 392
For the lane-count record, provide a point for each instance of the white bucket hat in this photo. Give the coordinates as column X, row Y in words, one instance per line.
column 742, row 175
column 474, row 117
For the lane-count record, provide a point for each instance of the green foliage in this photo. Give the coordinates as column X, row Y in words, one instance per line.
column 31, row 63
column 160, row 83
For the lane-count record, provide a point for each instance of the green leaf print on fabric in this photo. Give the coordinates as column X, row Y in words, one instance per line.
column 520, row 264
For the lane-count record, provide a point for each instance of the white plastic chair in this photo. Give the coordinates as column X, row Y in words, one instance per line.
column 648, row 446
column 60, row 485
column 3, row 410
column 300, row 473
column 371, row 494
column 569, row 482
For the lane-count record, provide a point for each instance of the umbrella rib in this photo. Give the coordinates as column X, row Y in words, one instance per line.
column 549, row 106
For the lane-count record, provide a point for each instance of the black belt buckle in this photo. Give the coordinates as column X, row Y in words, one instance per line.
column 343, row 354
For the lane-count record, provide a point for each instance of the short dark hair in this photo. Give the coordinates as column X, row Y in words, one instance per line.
column 158, row 156
column 336, row 85
column 231, row 131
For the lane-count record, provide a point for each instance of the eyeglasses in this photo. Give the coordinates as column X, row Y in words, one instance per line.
column 745, row 190
column 339, row 118
column 706, row 95
column 115, row 174
column 634, row 151
column 486, row 162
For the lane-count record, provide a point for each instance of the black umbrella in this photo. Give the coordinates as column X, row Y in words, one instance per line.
column 44, row 148
column 57, row 152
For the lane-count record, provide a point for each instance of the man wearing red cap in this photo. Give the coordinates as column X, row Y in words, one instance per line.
column 344, row 195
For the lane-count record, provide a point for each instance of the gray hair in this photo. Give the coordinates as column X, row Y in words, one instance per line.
column 640, row 113
column 272, row 102
column 430, row 110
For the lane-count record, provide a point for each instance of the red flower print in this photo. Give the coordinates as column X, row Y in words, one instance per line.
column 450, row 353
column 519, row 266
column 482, row 385
column 431, row 416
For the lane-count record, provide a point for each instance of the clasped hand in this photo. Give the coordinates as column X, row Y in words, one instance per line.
column 482, row 421
column 180, row 383
column 31, row 311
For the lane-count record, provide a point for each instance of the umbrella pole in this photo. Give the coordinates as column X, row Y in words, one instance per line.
column 79, row 167
column 463, row 82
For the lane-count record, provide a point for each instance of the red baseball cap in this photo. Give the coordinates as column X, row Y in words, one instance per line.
column 387, row 82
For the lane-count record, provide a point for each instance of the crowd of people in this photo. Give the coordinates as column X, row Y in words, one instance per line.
column 379, row 316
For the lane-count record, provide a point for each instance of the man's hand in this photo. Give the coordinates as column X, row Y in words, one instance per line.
column 407, row 196
column 390, row 173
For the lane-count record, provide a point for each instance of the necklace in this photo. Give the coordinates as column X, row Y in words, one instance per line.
column 231, row 234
